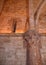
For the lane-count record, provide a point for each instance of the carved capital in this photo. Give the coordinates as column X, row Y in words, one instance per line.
column 31, row 37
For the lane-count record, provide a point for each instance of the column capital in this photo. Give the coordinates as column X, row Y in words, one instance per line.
column 31, row 37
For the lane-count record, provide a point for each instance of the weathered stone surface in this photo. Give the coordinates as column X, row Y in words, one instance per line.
column 32, row 39
column 42, row 20
column 40, row 17
column 13, row 9
column 11, row 48
column 1, row 5
column 36, row 4
column 43, row 49
column 12, row 51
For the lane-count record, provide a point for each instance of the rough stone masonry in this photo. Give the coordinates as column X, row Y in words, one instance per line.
column 12, row 51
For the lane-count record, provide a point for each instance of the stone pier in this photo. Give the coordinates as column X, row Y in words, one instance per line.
column 32, row 41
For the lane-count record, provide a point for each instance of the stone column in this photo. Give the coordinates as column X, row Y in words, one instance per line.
column 32, row 39
column 31, row 15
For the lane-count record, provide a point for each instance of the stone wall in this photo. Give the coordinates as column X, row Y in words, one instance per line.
column 12, row 51
column 43, row 49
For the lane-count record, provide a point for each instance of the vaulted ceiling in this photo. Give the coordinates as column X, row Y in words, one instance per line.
column 14, row 15
column 12, row 10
